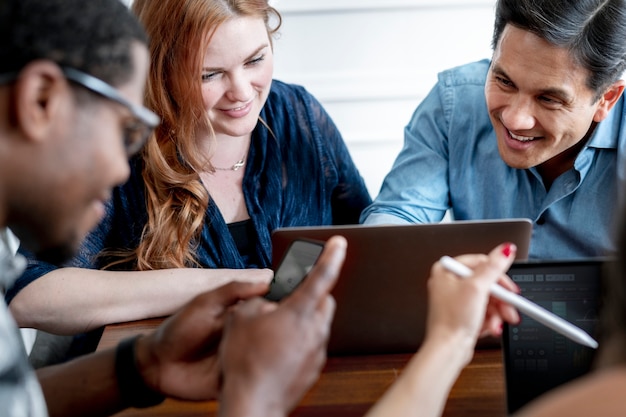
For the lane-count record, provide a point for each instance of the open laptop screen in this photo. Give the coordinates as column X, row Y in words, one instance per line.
column 537, row 359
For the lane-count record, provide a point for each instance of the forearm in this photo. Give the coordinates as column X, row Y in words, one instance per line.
column 83, row 387
column 424, row 385
column 72, row 300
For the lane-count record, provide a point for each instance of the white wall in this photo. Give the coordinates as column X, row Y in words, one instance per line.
column 370, row 62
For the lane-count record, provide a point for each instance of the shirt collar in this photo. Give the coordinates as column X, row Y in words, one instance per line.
column 606, row 134
column 12, row 265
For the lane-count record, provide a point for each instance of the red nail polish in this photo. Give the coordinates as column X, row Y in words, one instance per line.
column 506, row 250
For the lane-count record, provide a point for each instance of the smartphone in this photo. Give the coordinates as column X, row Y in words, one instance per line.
column 295, row 265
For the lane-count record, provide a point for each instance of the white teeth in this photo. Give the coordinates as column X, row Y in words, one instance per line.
column 521, row 138
column 241, row 107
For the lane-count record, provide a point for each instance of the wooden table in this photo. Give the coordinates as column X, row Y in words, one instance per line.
column 348, row 386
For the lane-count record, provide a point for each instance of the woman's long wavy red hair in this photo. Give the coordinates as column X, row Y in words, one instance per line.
column 179, row 32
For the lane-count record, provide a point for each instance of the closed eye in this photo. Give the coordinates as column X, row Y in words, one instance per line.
column 550, row 102
column 209, row 76
column 504, row 82
column 256, row 60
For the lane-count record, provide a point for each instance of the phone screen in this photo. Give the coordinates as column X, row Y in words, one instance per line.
column 297, row 262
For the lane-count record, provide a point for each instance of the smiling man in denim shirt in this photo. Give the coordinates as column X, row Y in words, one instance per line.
column 538, row 131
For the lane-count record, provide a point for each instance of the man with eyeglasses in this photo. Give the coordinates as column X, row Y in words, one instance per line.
column 72, row 75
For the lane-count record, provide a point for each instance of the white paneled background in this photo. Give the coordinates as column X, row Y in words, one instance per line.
column 370, row 62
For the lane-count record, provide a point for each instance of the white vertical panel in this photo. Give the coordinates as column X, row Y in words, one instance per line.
column 370, row 62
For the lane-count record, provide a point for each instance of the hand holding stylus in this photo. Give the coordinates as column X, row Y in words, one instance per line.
column 525, row 306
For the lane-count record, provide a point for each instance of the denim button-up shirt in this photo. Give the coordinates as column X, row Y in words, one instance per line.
column 450, row 161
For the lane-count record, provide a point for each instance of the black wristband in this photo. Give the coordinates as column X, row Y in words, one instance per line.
column 133, row 390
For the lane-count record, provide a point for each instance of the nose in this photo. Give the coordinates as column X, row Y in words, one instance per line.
column 239, row 88
column 518, row 114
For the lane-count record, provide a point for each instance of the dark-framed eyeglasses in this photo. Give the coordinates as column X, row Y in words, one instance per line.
column 136, row 132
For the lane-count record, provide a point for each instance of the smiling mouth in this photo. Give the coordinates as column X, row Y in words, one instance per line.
column 238, row 108
column 521, row 138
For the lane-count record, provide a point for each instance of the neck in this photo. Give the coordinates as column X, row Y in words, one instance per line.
column 230, row 153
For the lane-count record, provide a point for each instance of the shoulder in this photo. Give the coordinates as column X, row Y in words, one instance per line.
column 292, row 103
column 474, row 73
column 457, row 101
column 286, row 94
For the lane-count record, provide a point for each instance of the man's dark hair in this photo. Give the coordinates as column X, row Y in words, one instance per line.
column 593, row 30
column 93, row 36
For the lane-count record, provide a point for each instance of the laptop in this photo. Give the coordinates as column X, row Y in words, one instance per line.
column 381, row 292
column 537, row 359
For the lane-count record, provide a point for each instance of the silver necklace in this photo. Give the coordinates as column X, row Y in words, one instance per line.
column 235, row 167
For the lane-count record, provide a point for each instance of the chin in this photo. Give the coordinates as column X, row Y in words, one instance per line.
column 516, row 163
column 49, row 244
column 59, row 250
column 56, row 254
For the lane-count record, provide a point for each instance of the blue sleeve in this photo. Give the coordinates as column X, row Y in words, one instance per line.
column 416, row 188
column 349, row 195
column 34, row 270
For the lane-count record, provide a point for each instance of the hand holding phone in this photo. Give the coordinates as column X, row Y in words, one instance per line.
column 296, row 263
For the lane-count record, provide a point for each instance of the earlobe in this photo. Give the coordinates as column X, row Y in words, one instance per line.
column 37, row 98
column 608, row 100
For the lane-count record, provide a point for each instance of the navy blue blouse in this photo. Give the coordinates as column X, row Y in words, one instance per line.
column 302, row 175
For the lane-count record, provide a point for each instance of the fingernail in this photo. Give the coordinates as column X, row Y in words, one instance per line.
column 507, row 249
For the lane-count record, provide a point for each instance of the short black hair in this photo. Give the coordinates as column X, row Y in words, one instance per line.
column 594, row 31
column 93, row 36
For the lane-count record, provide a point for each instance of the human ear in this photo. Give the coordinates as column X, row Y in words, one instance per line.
column 608, row 100
column 38, row 97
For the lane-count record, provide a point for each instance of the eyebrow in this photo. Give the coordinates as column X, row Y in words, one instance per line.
column 248, row 58
column 551, row 91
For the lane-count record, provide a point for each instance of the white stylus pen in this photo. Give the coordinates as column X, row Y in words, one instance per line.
column 526, row 306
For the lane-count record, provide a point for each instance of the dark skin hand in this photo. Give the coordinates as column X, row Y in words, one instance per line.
column 264, row 343
column 180, row 357
column 271, row 354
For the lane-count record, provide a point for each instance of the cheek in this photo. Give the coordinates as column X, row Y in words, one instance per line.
column 210, row 97
column 494, row 99
column 106, row 162
column 564, row 127
column 574, row 129
column 265, row 75
column 113, row 166
column 100, row 142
